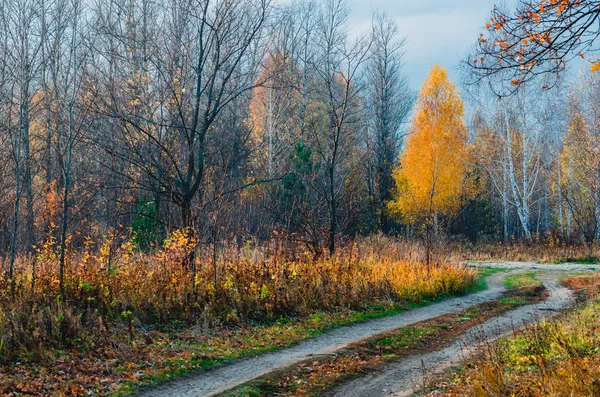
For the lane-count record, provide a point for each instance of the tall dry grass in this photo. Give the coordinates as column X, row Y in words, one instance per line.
column 550, row 249
column 251, row 284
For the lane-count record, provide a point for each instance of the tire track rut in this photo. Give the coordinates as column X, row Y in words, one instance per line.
column 218, row 380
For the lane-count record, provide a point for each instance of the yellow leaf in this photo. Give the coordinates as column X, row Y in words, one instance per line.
column 595, row 67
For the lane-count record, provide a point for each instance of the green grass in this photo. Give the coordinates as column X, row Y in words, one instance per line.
column 514, row 301
column 404, row 338
column 482, row 274
column 522, row 281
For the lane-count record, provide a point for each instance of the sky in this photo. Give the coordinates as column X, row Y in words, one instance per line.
column 436, row 31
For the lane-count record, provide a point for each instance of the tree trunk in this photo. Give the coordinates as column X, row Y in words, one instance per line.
column 15, row 235
column 333, row 212
column 27, row 178
column 65, row 203
column 561, row 218
column 186, row 213
column 436, row 228
column 428, row 244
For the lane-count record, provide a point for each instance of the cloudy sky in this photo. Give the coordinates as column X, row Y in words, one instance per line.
column 437, row 31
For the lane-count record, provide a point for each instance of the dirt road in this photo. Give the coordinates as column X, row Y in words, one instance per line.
column 405, row 377
column 216, row 381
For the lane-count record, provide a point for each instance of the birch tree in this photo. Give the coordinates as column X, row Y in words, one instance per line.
column 431, row 176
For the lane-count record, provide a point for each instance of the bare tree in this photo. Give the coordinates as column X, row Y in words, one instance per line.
column 202, row 58
column 338, row 65
column 72, row 77
column 391, row 101
column 22, row 46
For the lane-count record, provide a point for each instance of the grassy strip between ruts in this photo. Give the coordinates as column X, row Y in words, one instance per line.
column 522, row 281
column 318, row 375
column 554, row 358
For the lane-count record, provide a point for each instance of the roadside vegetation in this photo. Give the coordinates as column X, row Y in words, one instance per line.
column 127, row 318
column 551, row 358
column 583, row 260
column 550, row 250
column 136, row 318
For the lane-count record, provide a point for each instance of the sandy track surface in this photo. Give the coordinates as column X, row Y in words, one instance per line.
column 212, row 382
column 405, row 377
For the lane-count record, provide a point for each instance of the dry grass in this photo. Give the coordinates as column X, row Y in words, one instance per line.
column 252, row 286
column 548, row 251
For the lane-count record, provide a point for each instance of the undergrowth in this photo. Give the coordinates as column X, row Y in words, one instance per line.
column 127, row 317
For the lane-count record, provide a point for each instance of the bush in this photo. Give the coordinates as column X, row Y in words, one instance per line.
column 31, row 326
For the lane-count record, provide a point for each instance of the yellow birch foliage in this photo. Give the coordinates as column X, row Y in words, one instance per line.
column 579, row 166
column 273, row 106
column 433, row 167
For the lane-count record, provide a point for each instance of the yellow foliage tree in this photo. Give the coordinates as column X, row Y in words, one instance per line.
column 433, row 167
column 273, row 112
column 578, row 181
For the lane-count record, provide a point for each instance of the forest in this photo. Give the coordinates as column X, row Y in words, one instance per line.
column 130, row 121
column 187, row 183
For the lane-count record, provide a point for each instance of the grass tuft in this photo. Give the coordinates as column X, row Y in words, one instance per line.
column 522, row 281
